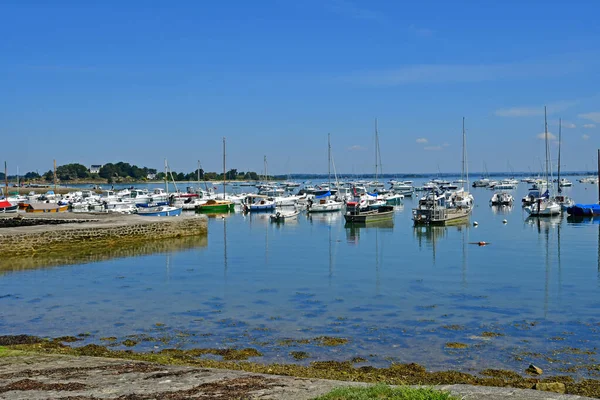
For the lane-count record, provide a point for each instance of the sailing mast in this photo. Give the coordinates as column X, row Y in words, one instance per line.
column 166, row 177
column 224, row 174
column 6, row 179
column 559, row 143
column 54, row 178
column 329, row 160
column 265, row 167
column 376, row 150
column 462, row 172
column 546, row 138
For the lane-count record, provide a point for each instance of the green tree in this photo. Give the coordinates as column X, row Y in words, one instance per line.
column 32, row 175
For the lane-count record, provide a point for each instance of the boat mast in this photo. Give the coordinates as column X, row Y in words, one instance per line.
column 559, row 143
column 462, row 172
column 166, row 177
column 599, row 182
column 54, row 178
column 265, row 167
column 224, row 175
column 546, row 140
column 17, row 176
column 329, row 160
column 376, row 150
column 6, row 179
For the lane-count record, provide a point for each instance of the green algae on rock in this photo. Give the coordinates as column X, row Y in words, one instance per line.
column 456, row 345
column 299, row 355
column 396, row 374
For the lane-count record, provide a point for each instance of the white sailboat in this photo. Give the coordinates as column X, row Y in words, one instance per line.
column 324, row 202
column 545, row 205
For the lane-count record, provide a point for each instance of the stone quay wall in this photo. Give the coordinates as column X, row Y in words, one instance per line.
column 96, row 231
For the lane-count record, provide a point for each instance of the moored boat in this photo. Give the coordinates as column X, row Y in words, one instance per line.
column 7, row 207
column 46, row 208
column 354, row 213
column 502, row 199
column 216, row 206
column 282, row 216
column 162, row 211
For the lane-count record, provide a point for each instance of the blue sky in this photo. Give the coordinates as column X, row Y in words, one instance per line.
column 140, row 81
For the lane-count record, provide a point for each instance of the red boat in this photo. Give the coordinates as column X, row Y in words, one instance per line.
column 7, row 207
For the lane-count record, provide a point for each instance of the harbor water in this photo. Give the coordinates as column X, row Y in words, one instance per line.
column 396, row 292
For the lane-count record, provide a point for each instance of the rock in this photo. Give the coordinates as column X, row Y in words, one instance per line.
column 533, row 370
column 556, row 387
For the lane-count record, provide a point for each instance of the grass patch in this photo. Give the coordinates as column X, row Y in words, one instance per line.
column 384, row 392
column 6, row 352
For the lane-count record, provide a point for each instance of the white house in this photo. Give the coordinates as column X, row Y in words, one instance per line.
column 95, row 169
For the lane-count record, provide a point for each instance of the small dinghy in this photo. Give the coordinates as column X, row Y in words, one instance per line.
column 282, row 216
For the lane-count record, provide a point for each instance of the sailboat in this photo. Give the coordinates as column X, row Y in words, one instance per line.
column 564, row 201
column 218, row 206
column 545, row 205
column 324, row 202
column 453, row 207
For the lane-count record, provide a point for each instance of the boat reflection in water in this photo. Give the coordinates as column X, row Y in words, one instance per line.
column 324, row 218
column 502, row 209
column 353, row 230
column 428, row 236
column 592, row 220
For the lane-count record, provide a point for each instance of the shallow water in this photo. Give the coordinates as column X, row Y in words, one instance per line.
column 397, row 292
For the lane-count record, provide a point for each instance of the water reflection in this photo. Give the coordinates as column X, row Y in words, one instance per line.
column 502, row 210
column 95, row 254
column 431, row 235
column 353, row 230
column 329, row 218
column 592, row 220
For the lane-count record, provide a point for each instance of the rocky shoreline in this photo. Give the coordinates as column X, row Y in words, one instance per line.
column 22, row 357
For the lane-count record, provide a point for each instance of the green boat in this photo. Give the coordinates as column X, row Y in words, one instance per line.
column 216, row 206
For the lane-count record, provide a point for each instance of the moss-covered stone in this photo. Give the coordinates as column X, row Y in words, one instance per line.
column 456, row 345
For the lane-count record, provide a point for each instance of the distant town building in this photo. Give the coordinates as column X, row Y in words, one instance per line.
column 95, row 169
column 151, row 174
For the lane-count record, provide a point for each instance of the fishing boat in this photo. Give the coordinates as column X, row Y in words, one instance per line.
column 446, row 208
column 46, row 208
column 545, row 205
column 162, row 211
column 433, row 210
column 282, row 216
column 7, row 207
column 502, row 199
column 258, row 202
column 213, row 206
column 355, row 214
column 216, row 206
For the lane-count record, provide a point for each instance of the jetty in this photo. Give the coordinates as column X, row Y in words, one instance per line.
column 60, row 233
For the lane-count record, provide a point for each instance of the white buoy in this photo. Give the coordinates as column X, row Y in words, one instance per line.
column 475, row 223
column 504, row 221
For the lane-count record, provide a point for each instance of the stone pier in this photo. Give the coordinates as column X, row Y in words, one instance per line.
column 30, row 235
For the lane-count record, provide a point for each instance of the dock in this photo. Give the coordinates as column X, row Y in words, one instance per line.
column 46, row 234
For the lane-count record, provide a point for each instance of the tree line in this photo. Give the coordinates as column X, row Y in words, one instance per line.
column 125, row 172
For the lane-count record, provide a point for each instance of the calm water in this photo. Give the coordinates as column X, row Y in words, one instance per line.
column 398, row 293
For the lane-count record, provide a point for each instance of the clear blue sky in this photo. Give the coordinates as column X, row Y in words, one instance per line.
column 103, row 81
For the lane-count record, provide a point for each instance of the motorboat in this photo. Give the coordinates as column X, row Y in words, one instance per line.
column 355, row 214
column 284, row 215
column 502, row 199
column 162, row 211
